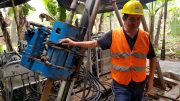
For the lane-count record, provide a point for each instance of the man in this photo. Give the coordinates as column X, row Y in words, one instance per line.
column 129, row 47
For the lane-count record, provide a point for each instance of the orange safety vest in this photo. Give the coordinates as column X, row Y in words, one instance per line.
column 127, row 64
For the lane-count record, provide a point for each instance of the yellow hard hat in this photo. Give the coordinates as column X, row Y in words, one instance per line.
column 133, row 7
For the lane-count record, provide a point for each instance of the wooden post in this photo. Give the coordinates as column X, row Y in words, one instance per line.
column 160, row 76
column 47, row 90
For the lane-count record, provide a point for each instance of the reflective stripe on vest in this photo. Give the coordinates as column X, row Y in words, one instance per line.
column 124, row 55
column 127, row 69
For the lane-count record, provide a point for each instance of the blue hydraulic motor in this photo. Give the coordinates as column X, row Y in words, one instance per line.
column 46, row 56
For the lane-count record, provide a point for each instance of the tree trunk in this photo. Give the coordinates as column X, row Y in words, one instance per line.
column 163, row 50
column 100, row 29
column 145, row 27
column 151, row 32
column 21, row 24
column 158, row 29
column 21, row 21
column 5, row 33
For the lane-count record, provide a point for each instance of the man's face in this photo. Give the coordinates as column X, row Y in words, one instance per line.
column 132, row 21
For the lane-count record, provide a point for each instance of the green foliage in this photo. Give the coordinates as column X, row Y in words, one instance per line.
column 10, row 12
column 173, row 9
column 152, row 7
column 175, row 19
column 62, row 14
column 52, row 7
column 55, row 11
column 178, row 53
column 157, row 52
column 175, row 26
column 26, row 8
column 108, row 14
column 45, row 2
column 1, row 49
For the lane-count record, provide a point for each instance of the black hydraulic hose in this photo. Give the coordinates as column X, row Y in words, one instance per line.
column 85, row 74
column 100, row 84
column 90, row 83
column 11, row 86
column 98, row 94
column 96, row 87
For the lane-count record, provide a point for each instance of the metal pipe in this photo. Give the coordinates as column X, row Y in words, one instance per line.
column 70, row 91
column 117, row 12
column 73, row 9
column 61, row 91
column 89, row 31
column 93, row 16
column 86, row 14
column 97, row 63
column 11, row 63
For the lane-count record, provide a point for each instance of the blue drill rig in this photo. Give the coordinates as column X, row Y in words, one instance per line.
column 46, row 56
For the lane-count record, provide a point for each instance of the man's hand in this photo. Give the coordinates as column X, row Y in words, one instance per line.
column 149, row 85
column 150, row 79
column 67, row 42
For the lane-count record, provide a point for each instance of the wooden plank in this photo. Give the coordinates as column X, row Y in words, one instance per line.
column 47, row 90
column 159, row 73
column 165, row 98
column 172, row 81
column 173, row 93
column 169, row 80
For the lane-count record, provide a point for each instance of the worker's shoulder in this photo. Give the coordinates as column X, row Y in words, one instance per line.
column 143, row 31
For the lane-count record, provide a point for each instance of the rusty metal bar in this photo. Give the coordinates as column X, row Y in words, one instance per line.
column 88, row 37
column 74, row 5
column 117, row 12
